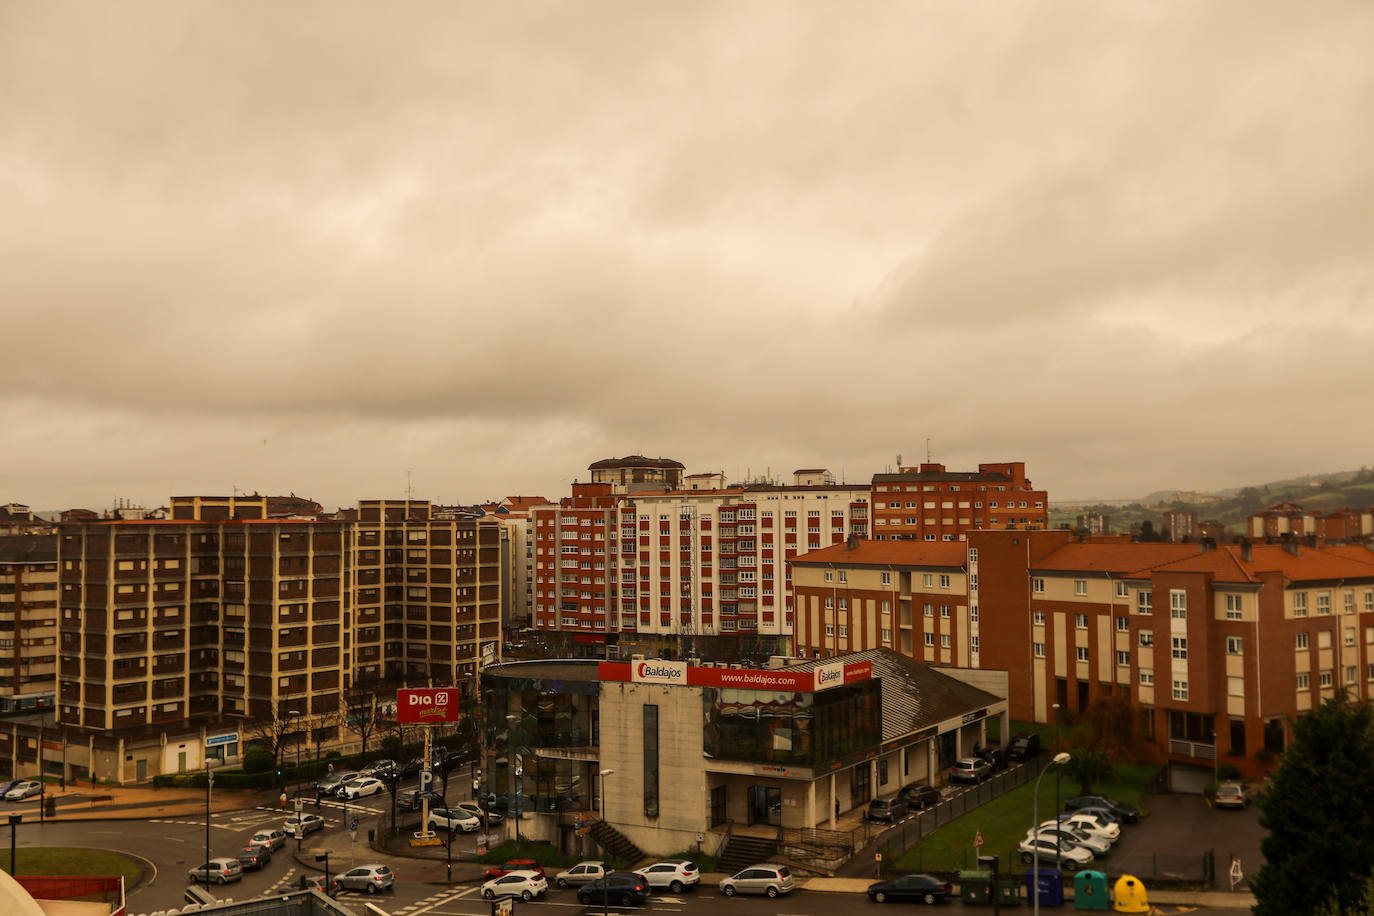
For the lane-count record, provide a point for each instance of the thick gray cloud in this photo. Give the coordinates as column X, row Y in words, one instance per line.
column 313, row 247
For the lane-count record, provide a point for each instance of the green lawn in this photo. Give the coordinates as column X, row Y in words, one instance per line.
column 45, row 860
column 1004, row 822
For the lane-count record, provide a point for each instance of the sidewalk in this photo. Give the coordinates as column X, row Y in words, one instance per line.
column 135, row 802
column 428, row 865
column 1221, row 900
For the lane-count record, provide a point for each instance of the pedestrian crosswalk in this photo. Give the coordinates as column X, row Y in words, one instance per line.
column 334, row 814
column 420, row 907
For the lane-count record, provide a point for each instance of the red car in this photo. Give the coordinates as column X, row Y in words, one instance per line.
column 497, row 871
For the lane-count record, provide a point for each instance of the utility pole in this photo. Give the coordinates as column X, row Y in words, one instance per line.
column 209, row 784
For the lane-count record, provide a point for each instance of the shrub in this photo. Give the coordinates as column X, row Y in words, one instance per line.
column 258, row 760
column 1227, row 771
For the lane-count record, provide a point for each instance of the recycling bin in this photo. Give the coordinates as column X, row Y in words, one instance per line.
column 1090, row 891
column 975, row 886
column 1049, row 881
column 1130, row 895
column 1008, row 891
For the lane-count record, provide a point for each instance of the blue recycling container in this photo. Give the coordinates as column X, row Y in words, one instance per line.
column 1050, row 882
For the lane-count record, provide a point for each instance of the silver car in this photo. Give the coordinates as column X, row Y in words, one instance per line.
column 581, row 873
column 370, row 878
column 769, row 879
column 270, row 839
column 217, row 871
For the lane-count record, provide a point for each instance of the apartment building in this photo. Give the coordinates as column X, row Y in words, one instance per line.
column 1180, row 525
column 930, row 503
column 636, row 472
column 28, row 621
column 427, row 593
column 907, row 596
column 683, row 571
column 1289, row 520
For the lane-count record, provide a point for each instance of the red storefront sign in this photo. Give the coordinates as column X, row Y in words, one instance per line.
column 780, row 679
column 427, row 705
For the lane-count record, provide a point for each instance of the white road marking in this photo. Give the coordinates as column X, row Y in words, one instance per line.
column 446, row 899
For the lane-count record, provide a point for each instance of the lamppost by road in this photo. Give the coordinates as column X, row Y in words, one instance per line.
column 604, row 774
column 294, row 717
column 605, row 881
column 325, row 859
column 15, row 819
column 209, row 784
column 1060, row 759
column 1057, row 750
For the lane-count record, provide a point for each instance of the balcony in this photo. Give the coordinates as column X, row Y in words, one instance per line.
column 1195, row 749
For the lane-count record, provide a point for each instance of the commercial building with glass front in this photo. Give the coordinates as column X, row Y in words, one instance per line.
column 669, row 753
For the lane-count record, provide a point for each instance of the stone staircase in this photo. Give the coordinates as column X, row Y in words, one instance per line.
column 614, row 843
column 743, row 851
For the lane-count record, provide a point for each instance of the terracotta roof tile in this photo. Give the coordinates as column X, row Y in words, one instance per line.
column 890, row 553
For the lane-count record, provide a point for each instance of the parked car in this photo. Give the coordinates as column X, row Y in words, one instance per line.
column 271, row 840
column 350, row 782
column 329, row 784
column 368, row 785
column 511, row 865
column 254, row 857
column 970, row 769
column 413, row 799
column 1043, row 850
column 919, row 796
column 453, row 820
column 379, row 767
column 767, row 879
column 217, row 871
column 1091, row 823
column 476, row 811
column 302, row 825
column 523, row 884
column 23, row 789
column 411, row 767
column 675, row 874
column 618, row 887
column 1231, row 795
column 996, row 757
column 581, row 873
column 6, row 785
column 369, row 878
column 889, row 808
column 925, row 888
column 1066, row 836
column 1128, row 813
column 1105, row 814
column 1023, row 746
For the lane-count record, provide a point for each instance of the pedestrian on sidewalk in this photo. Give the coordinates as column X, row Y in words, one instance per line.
column 283, row 799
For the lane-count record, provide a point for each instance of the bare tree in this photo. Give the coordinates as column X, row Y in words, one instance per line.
column 362, row 702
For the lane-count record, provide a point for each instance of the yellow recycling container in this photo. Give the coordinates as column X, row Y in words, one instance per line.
column 1130, row 895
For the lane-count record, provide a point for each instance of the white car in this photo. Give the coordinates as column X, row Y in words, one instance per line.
column 523, row 884
column 368, row 785
column 1069, row 858
column 270, row 840
column 674, row 874
column 302, row 825
column 1067, row 836
column 23, row 790
column 453, row 820
column 475, row 810
column 581, row 873
column 1089, row 823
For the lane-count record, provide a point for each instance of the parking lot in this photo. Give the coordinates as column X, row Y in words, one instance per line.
column 1170, row 842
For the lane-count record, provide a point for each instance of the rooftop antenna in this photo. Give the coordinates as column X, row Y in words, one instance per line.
column 410, row 491
column 928, row 459
column 899, row 462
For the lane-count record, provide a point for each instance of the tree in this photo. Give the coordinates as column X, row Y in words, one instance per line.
column 1113, row 725
column 1089, row 766
column 361, row 699
column 1319, row 812
column 273, row 730
column 258, row 759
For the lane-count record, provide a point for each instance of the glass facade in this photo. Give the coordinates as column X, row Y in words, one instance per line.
column 800, row 728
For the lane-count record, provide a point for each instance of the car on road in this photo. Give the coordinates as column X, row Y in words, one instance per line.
column 511, row 865
column 618, row 888
column 302, row 825
column 23, row 789
column 350, row 782
column 1091, row 823
column 581, row 873
column 369, row 878
column 917, row 887
column 889, row 808
column 271, row 840
column 380, row 768
column 329, row 785
column 453, row 820
column 1231, row 795
column 970, row 769
column 1066, row 836
column 676, row 875
column 216, row 871
column 6, row 785
column 476, row 811
column 919, row 796
column 1043, row 849
column 368, row 785
column 413, row 800
column 768, row 878
column 1023, row 746
column 1124, row 812
column 523, row 884
column 254, row 857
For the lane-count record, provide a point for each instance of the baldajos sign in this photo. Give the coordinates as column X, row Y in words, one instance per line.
column 427, row 705
column 656, row 671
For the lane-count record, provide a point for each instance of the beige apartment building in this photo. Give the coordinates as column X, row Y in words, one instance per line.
column 28, row 620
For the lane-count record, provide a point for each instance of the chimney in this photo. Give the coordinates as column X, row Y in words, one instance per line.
column 1247, row 553
column 1208, row 544
column 853, row 542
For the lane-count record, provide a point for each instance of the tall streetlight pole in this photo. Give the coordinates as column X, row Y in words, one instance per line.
column 15, row 819
column 1060, row 759
column 209, row 784
column 1057, row 750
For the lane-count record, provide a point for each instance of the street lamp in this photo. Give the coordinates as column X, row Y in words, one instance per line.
column 1060, row 759
column 14, row 820
column 1057, row 749
column 209, row 784
column 604, row 774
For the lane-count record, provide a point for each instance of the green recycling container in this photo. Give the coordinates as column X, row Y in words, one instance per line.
column 1008, row 891
column 975, row 886
column 1090, row 891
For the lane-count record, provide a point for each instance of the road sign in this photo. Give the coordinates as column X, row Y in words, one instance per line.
column 977, row 839
column 353, row 822
column 426, row 780
column 298, row 805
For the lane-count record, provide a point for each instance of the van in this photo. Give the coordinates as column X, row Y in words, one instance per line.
column 889, row 808
column 1024, row 746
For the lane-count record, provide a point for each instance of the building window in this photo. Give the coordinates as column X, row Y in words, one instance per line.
column 1323, row 602
column 887, row 578
column 1080, row 586
column 650, row 760
column 1038, row 618
column 973, row 552
column 1233, row 607
column 829, row 629
column 1235, row 686
column 1350, row 674
column 973, row 644
column 1369, row 599
column 930, row 609
column 829, row 575
column 1349, row 602
column 844, row 575
column 844, row 630
column 927, row 579
column 1180, row 690
column 1082, row 653
column 1350, row 636
column 1144, row 602
column 829, row 602
column 1147, row 677
column 944, row 581
column 1235, row 645
column 1147, row 638
column 930, row 640
column 1325, row 679
column 1304, row 681
column 1180, row 646
column 887, row 636
column 1300, row 604
column 944, row 640
column 1123, row 624
column 1178, row 604
column 1123, row 658
column 1300, row 641
column 944, row 611
column 1080, row 621
column 1040, row 650
column 1038, row 585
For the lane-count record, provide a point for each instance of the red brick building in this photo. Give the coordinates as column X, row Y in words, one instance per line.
column 929, row 503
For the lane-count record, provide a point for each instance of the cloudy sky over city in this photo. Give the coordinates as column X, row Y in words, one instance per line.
column 313, row 247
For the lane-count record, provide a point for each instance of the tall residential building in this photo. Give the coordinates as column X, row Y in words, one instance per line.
column 28, row 620
column 636, row 472
column 684, row 571
column 929, row 503
column 1180, row 525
